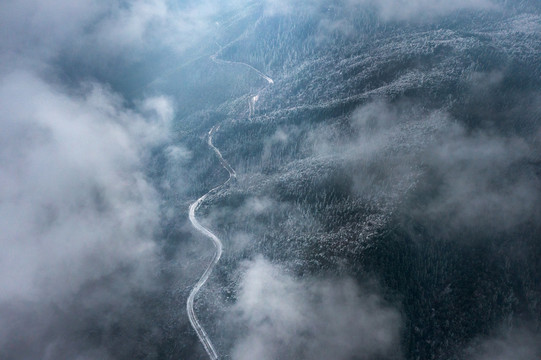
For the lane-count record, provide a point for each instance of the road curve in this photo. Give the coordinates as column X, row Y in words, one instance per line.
column 201, row 333
column 220, row 61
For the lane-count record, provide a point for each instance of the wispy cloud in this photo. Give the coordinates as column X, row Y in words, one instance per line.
column 75, row 200
column 513, row 344
column 77, row 212
column 282, row 317
column 98, row 34
column 474, row 175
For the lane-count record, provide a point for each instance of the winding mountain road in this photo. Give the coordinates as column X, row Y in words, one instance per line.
column 220, row 61
column 201, row 333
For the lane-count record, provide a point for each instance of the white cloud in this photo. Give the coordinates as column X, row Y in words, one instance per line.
column 101, row 33
column 41, row 27
column 74, row 201
column 287, row 318
column 480, row 177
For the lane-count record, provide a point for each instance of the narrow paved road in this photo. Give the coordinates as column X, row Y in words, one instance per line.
column 220, row 61
column 201, row 333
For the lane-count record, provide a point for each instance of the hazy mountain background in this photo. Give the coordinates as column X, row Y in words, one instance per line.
column 388, row 190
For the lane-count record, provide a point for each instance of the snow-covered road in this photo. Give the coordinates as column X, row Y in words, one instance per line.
column 201, row 333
